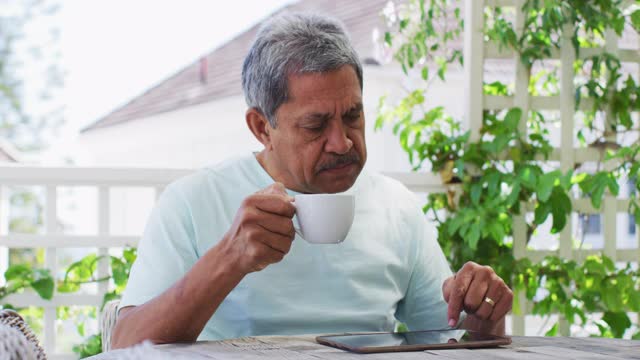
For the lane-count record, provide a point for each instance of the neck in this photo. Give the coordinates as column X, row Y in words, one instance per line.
column 270, row 165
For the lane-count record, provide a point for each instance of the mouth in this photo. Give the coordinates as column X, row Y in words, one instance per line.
column 340, row 169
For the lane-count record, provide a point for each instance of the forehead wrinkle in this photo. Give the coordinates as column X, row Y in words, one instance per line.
column 318, row 116
column 355, row 108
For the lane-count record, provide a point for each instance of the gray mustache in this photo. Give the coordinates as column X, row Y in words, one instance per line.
column 341, row 160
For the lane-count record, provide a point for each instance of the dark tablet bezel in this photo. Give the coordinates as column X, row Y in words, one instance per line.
column 496, row 341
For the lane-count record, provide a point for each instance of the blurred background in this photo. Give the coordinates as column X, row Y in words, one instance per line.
column 120, row 87
column 93, row 80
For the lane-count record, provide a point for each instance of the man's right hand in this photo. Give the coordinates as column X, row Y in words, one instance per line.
column 261, row 234
column 262, row 230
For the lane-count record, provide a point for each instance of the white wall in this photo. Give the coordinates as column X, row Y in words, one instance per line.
column 208, row 133
column 187, row 138
column 385, row 153
column 205, row 134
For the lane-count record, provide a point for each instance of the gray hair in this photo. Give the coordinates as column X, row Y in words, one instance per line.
column 288, row 44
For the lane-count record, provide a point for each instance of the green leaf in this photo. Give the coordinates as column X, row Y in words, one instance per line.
column 388, row 38
column 403, row 24
column 528, row 177
column 514, row 195
column 581, row 138
column 594, row 266
column 495, row 88
column 91, row 346
column 68, row 287
column 618, row 321
column 634, row 300
column 501, row 143
column 612, row 184
column 474, row 236
column 545, row 185
column 516, row 310
column 635, row 19
column 111, row 295
column 44, row 287
column 454, row 224
column 119, row 271
column 441, row 70
column 565, row 180
column 512, row 119
column 542, row 212
column 553, row 331
column 595, row 186
column 560, row 209
column 493, row 179
column 19, row 271
column 608, row 263
column 497, row 231
column 579, row 178
column 381, row 119
column 476, row 191
column 425, row 73
column 611, row 296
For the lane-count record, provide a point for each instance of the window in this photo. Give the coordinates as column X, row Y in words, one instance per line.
column 590, row 224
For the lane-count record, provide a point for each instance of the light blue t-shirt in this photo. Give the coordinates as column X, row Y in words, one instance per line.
column 389, row 268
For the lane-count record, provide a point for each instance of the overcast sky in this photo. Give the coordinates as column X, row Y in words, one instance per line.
column 112, row 50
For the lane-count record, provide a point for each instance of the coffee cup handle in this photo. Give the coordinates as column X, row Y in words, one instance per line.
column 297, row 229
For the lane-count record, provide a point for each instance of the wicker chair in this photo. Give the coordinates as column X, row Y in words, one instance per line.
column 140, row 351
column 17, row 341
column 107, row 322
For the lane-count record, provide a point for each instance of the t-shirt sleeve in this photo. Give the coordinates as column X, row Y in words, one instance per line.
column 166, row 250
column 423, row 306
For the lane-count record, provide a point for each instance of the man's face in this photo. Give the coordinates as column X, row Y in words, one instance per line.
column 318, row 144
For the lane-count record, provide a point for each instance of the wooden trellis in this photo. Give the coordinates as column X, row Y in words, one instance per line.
column 476, row 52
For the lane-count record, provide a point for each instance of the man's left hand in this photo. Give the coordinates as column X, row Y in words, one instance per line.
column 479, row 292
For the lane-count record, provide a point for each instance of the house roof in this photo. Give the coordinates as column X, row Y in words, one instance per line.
column 224, row 64
column 8, row 152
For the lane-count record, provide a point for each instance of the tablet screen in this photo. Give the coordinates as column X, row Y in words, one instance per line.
column 413, row 340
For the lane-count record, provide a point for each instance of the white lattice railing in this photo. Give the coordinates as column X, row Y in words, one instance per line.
column 51, row 240
column 476, row 51
column 51, row 179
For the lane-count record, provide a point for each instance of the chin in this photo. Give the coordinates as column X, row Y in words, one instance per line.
column 337, row 187
column 336, row 183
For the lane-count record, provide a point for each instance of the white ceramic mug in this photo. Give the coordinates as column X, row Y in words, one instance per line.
column 324, row 218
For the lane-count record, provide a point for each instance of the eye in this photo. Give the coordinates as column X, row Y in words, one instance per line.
column 351, row 118
column 314, row 127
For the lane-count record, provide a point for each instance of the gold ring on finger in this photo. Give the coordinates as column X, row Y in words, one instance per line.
column 489, row 301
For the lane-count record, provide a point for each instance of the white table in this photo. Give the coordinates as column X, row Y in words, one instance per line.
column 305, row 347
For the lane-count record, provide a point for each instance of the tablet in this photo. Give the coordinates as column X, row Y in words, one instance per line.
column 413, row 340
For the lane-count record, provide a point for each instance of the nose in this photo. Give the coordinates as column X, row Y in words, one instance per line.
column 338, row 141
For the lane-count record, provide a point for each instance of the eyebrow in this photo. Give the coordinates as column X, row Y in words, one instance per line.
column 354, row 109
column 317, row 116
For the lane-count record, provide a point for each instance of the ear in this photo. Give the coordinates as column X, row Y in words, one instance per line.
column 259, row 126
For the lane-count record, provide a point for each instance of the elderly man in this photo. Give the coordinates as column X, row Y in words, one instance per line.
column 220, row 258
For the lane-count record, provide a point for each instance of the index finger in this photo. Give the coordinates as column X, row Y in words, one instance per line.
column 276, row 188
column 275, row 204
column 456, row 293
